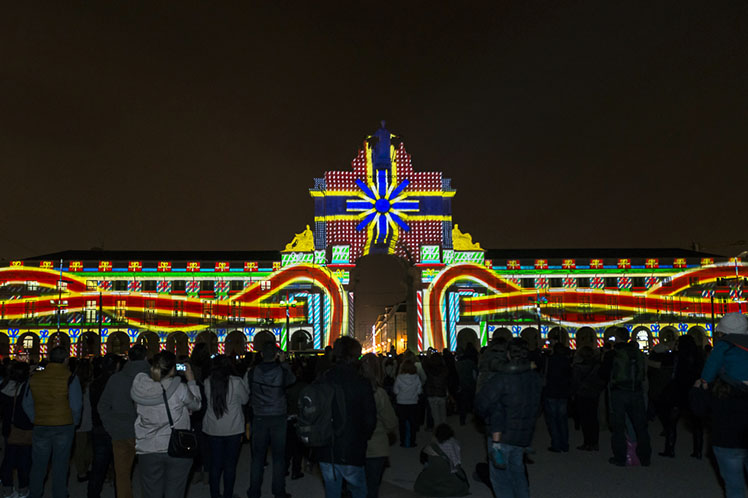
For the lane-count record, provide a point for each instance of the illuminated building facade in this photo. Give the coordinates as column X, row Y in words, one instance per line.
column 303, row 295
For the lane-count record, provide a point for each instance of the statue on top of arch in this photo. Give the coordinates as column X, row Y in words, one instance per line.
column 302, row 242
column 463, row 241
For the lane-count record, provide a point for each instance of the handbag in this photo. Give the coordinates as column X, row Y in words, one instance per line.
column 182, row 442
column 18, row 437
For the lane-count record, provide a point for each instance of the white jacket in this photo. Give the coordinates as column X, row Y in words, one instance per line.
column 407, row 388
column 152, row 430
column 232, row 420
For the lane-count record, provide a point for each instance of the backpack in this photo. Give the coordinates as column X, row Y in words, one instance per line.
column 315, row 424
column 628, row 369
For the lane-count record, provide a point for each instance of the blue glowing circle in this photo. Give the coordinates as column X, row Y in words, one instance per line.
column 382, row 205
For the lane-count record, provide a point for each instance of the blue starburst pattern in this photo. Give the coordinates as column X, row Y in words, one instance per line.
column 382, row 206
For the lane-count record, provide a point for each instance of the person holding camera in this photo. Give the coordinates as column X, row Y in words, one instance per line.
column 161, row 475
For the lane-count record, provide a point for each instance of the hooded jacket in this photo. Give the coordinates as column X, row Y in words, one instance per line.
column 407, row 388
column 730, row 357
column 152, row 429
column 115, row 407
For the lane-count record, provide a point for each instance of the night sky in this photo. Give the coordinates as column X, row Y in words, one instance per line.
column 126, row 125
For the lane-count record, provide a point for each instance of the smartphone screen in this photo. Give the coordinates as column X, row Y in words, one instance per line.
column 181, row 367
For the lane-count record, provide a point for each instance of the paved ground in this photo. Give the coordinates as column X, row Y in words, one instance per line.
column 577, row 473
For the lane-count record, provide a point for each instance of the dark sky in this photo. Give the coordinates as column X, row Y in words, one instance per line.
column 191, row 126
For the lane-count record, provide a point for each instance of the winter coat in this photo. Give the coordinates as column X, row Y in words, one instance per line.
column 586, row 381
column 467, row 372
column 436, row 380
column 232, row 420
column 558, row 375
column 115, row 406
column 360, row 421
column 379, row 443
column 267, row 384
column 407, row 388
column 152, row 429
column 730, row 354
column 510, row 403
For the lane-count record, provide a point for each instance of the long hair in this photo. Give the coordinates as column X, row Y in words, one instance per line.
column 371, row 369
column 162, row 364
column 219, row 385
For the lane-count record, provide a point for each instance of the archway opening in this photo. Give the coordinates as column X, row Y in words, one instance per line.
column 209, row 338
column 467, row 335
column 58, row 339
column 178, row 343
column 668, row 334
column 118, row 343
column 643, row 337
column 699, row 335
column 150, row 341
column 89, row 345
column 27, row 347
column 300, row 340
column 382, row 286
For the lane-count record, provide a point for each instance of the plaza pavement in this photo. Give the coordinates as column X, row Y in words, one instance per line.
column 573, row 474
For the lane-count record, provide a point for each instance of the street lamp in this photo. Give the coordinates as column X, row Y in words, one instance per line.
column 290, row 302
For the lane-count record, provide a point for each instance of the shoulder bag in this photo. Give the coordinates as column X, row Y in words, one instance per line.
column 18, row 437
column 182, row 442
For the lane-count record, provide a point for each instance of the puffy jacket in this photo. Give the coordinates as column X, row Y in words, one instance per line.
column 115, row 406
column 232, row 420
column 267, row 388
column 407, row 388
column 152, row 429
column 510, row 403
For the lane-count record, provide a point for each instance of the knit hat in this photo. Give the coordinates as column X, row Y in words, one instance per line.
column 733, row 323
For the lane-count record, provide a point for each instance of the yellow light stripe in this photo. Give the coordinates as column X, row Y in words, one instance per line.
column 356, row 217
column 357, row 193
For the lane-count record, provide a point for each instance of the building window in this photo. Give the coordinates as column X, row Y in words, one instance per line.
column 120, row 308
column 119, row 285
column 32, row 285
column 149, row 285
column 611, row 282
column 178, row 309
column 150, row 309
column 208, row 285
column 207, row 309
column 30, row 309
column 178, row 285
column 583, row 282
column 90, row 316
column 528, row 283
column 28, row 342
column 556, row 283
column 237, row 285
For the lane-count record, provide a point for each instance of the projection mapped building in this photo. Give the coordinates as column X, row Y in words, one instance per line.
column 104, row 301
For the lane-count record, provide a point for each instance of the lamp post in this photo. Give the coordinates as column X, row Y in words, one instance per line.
column 738, row 285
column 289, row 303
